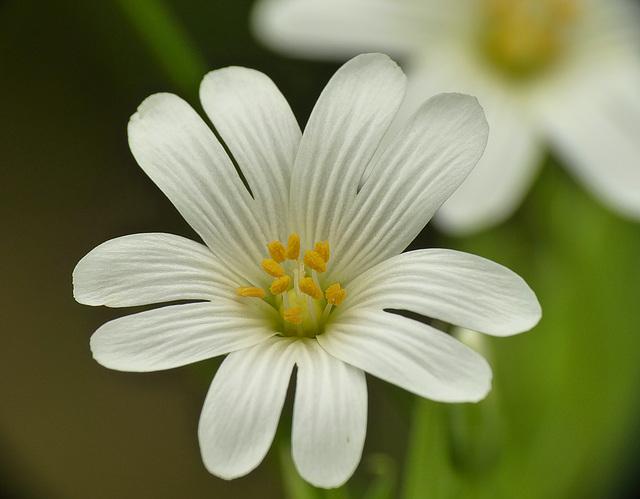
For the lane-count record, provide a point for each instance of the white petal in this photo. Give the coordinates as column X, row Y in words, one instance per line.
column 343, row 132
column 597, row 136
column 335, row 28
column 499, row 182
column 179, row 152
column 409, row 354
column 241, row 411
column 455, row 287
column 329, row 417
column 177, row 335
column 420, row 169
column 259, row 128
column 150, row 268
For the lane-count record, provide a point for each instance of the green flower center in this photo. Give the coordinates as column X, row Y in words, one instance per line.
column 303, row 307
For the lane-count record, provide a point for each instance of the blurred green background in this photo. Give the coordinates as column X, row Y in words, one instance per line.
column 562, row 420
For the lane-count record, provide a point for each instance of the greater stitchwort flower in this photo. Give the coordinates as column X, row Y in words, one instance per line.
column 564, row 73
column 299, row 267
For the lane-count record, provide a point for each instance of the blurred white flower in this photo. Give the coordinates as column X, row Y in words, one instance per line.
column 564, row 73
column 300, row 270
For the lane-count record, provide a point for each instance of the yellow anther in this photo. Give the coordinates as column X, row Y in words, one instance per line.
column 277, row 251
column 279, row 286
column 293, row 247
column 272, row 268
column 322, row 249
column 335, row 295
column 251, row 292
column 293, row 315
column 308, row 287
column 314, row 261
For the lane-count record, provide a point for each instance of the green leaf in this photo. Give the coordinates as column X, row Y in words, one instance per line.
column 568, row 388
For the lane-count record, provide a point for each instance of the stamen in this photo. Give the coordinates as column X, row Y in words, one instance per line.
column 251, row 292
column 325, row 314
column 297, row 275
column 312, row 312
column 272, row 268
column 277, row 251
column 314, row 261
column 293, row 247
column 308, row 287
column 281, row 285
column 314, row 276
column 335, row 295
column 323, row 250
column 293, row 315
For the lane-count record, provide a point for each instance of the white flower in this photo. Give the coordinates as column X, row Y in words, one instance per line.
column 247, row 291
column 564, row 73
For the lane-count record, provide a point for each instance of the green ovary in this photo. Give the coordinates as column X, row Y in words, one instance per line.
column 310, row 316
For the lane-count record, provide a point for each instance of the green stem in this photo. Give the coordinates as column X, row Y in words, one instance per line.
column 429, row 471
column 168, row 41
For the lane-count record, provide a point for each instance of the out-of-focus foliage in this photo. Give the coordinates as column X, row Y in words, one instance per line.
column 561, row 420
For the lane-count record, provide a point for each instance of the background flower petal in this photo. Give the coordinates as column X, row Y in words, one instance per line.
column 452, row 286
column 259, row 128
column 141, row 269
column 597, row 136
column 342, row 134
column 334, row 28
column 178, row 335
column 241, row 412
column 180, row 153
column 329, row 417
column 407, row 353
column 501, row 179
column 425, row 163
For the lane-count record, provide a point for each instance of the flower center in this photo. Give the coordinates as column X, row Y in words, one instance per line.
column 522, row 37
column 302, row 305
